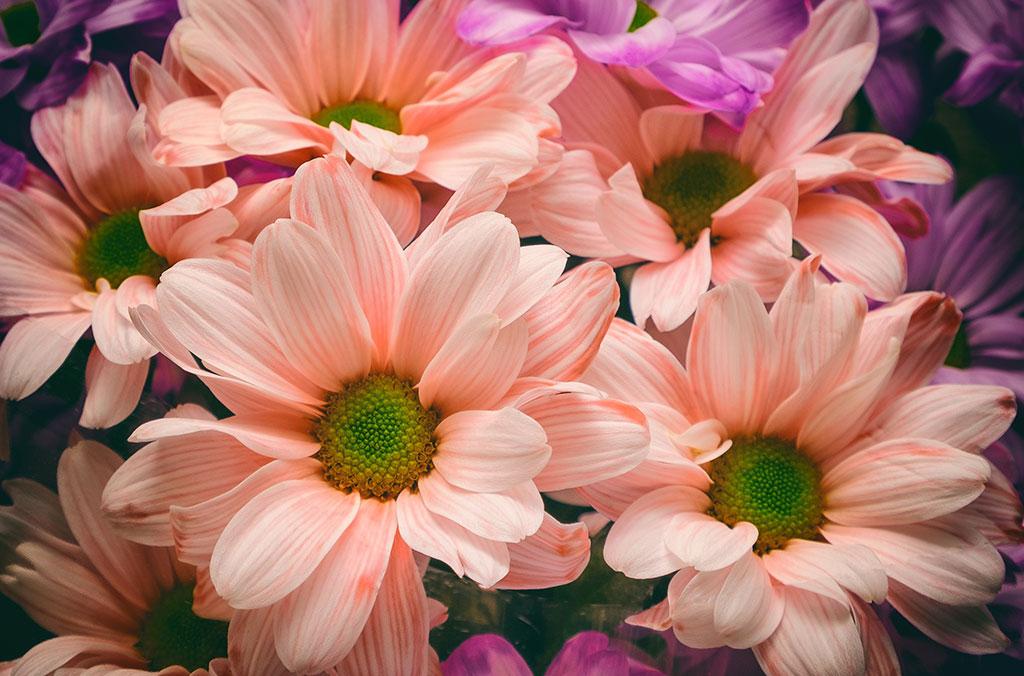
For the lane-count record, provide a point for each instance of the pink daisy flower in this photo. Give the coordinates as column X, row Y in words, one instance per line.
column 698, row 203
column 114, row 605
column 289, row 81
column 79, row 256
column 801, row 469
column 384, row 401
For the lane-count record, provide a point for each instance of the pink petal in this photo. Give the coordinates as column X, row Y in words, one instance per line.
column 350, row 42
column 251, row 647
column 731, row 349
column 754, row 244
column 706, row 543
column 116, row 337
column 668, row 292
column 197, row 528
column 636, row 544
column 554, row 555
column 540, row 266
column 34, row 348
column 634, row 367
column 670, row 131
column 112, row 390
column 465, row 274
column 380, row 149
column 130, row 568
column 180, row 471
column 395, row 638
column 314, row 317
column 749, row 607
column 484, row 561
column 902, row 481
column 816, row 636
column 210, row 308
column 856, row 244
column 879, row 653
column 490, row 451
column 190, row 130
column 506, row 516
column 328, row 196
column 316, row 625
column 967, row 628
column 460, row 145
column 829, row 569
column 885, row 157
column 283, row 434
column 49, row 656
column 591, row 439
column 255, row 122
column 561, row 349
column 397, row 198
column 476, row 366
column 631, row 223
column 956, row 566
column 275, row 542
column 968, row 417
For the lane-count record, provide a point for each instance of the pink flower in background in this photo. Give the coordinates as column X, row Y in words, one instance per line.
column 384, row 400
column 801, row 468
column 78, row 255
column 408, row 101
column 698, row 203
column 111, row 602
column 716, row 54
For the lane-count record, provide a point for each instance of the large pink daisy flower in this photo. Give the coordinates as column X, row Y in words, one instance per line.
column 383, row 399
column 116, row 606
column 79, row 256
column 699, row 203
column 801, row 469
column 290, row 80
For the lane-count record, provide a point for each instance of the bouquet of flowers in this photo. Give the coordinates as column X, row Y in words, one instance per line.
column 511, row 336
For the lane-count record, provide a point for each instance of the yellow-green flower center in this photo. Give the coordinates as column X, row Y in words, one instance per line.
column 376, row 437
column 643, row 16
column 367, row 112
column 115, row 249
column 21, row 23
column 171, row 634
column 769, row 483
column 693, row 186
column 960, row 351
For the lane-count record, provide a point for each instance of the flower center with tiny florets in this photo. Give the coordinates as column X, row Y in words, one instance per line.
column 769, row 483
column 173, row 635
column 693, row 186
column 376, row 437
column 115, row 249
column 960, row 351
column 643, row 16
column 367, row 112
column 21, row 23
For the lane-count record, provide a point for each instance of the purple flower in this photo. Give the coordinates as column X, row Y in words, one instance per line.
column 12, row 166
column 992, row 35
column 46, row 45
column 717, row 54
column 589, row 653
column 894, row 86
column 972, row 253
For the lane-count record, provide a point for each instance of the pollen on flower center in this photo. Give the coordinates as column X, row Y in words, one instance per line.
column 171, row 634
column 376, row 437
column 367, row 112
column 769, row 483
column 693, row 186
column 115, row 249
column 644, row 14
column 21, row 23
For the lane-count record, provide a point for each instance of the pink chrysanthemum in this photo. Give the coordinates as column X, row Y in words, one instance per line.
column 77, row 257
column 384, row 400
column 291, row 80
column 700, row 203
column 801, row 469
column 115, row 606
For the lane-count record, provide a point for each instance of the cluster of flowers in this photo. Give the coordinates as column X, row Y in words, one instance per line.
column 316, row 209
